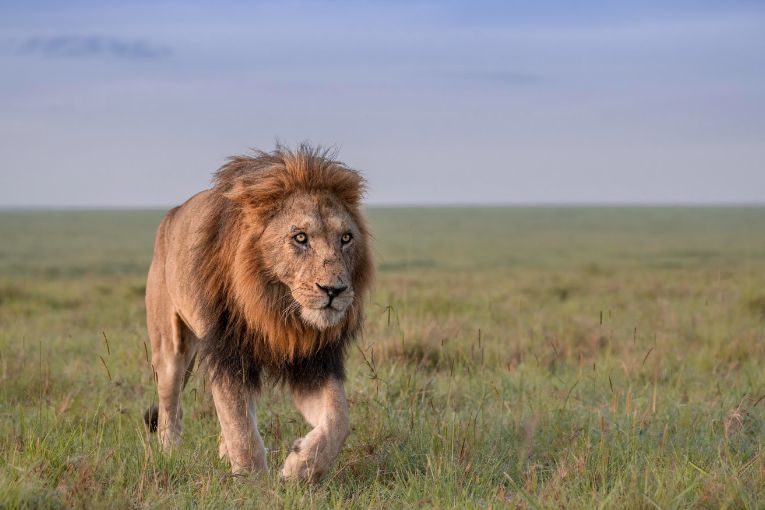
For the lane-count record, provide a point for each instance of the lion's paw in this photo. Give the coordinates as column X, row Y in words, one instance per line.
column 305, row 462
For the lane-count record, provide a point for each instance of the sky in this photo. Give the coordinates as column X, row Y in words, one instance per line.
column 136, row 104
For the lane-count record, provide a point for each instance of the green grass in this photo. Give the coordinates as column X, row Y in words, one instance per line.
column 512, row 357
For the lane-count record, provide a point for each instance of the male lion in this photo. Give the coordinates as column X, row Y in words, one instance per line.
column 265, row 273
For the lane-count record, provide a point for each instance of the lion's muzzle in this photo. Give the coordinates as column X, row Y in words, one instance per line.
column 332, row 292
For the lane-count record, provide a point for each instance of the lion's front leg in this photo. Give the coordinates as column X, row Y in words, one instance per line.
column 240, row 439
column 326, row 409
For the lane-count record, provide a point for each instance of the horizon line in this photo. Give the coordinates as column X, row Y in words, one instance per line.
column 423, row 205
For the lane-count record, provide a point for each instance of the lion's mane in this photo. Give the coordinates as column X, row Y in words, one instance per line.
column 253, row 330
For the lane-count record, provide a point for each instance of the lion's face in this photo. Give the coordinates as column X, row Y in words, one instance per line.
column 312, row 246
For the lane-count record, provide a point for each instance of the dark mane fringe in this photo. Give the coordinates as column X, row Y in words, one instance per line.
column 241, row 356
column 238, row 346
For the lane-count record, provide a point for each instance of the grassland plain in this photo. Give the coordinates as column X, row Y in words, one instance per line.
column 512, row 357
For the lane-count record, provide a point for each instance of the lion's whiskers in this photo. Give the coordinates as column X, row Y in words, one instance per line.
column 292, row 306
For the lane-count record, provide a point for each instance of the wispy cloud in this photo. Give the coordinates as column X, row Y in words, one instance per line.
column 494, row 77
column 80, row 46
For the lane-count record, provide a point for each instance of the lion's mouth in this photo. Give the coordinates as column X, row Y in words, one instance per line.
column 329, row 308
column 332, row 305
column 323, row 316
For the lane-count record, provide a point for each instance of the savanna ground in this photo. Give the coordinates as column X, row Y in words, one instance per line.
column 518, row 357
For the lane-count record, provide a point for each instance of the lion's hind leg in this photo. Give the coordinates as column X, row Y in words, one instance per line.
column 151, row 415
column 173, row 361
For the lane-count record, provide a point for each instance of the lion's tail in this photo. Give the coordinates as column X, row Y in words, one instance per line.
column 150, row 418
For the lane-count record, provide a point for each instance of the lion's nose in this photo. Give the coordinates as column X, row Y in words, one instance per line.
column 332, row 291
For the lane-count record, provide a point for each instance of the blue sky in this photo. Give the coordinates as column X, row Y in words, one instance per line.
column 117, row 104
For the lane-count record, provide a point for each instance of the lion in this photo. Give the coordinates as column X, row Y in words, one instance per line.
column 264, row 276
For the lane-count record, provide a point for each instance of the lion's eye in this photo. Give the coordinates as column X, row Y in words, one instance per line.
column 300, row 238
column 346, row 238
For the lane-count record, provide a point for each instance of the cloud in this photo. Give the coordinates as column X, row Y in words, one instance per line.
column 498, row 77
column 81, row 46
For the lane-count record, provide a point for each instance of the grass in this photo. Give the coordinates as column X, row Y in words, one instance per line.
column 512, row 357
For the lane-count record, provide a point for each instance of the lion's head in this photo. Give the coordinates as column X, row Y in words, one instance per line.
column 291, row 249
column 313, row 245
